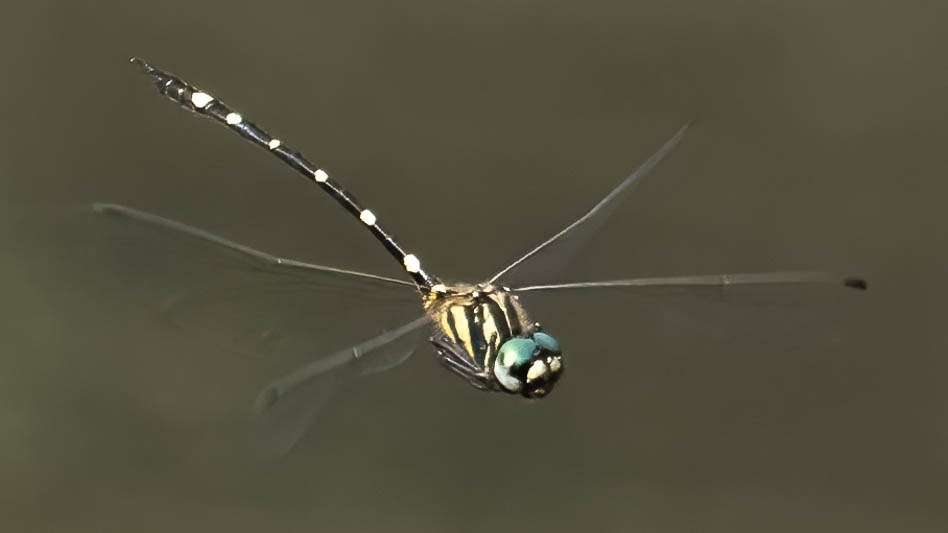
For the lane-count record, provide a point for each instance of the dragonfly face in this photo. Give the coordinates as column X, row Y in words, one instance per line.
column 529, row 366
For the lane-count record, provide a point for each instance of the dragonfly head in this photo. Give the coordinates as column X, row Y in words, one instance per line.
column 529, row 366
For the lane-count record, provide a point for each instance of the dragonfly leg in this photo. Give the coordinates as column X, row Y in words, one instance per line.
column 456, row 360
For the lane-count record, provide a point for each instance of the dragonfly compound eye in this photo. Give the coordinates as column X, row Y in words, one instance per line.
column 529, row 366
column 510, row 365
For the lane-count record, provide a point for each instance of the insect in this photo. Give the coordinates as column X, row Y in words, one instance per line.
column 480, row 331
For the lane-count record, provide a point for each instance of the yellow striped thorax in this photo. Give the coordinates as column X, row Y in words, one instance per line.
column 487, row 324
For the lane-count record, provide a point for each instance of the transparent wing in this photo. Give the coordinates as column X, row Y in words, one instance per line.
column 711, row 280
column 237, row 298
column 249, row 303
column 286, row 408
column 266, row 260
column 567, row 241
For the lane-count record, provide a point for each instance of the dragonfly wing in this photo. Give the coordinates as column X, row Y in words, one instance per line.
column 249, row 303
column 535, row 265
column 239, row 299
column 264, row 259
column 276, row 432
column 711, row 280
column 286, row 408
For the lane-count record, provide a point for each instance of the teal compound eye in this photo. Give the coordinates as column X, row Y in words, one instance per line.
column 510, row 365
column 529, row 367
column 546, row 342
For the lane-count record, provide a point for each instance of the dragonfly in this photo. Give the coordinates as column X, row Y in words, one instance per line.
column 480, row 331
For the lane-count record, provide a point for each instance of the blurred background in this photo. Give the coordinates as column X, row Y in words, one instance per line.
column 475, row 130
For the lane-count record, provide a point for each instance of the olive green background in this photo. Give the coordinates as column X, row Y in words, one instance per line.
column 474, row 130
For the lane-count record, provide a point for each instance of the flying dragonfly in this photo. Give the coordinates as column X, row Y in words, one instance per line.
column 480, row 331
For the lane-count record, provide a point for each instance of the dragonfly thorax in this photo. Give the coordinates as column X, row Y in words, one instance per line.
column 485, row 335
